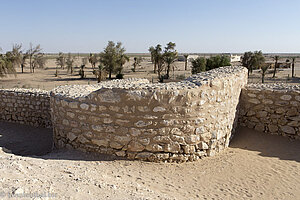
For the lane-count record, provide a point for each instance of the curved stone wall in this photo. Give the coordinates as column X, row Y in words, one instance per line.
column 25, row 106
column 272, row 108
column 139, row 120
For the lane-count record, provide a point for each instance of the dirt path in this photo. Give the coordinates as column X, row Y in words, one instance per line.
column 256, row 166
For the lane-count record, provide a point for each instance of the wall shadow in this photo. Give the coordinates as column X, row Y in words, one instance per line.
column 266, row 144
column 37, row 142
column 25, row 140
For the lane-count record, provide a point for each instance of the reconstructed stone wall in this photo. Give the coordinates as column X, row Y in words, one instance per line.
column 139, row 120
column 24, row 106
column 272, row 108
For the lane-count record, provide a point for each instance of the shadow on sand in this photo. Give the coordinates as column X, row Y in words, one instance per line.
column 266, row 144
column 35, row 142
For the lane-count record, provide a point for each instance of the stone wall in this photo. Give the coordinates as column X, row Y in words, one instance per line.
column 24, row 106
column 272, row 108
column 156, row 122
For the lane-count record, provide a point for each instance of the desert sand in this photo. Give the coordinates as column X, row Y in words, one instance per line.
column 45, row 79
column 255, row 166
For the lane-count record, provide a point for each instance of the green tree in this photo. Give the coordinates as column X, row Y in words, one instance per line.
column 253, row 60
column 6, row 65
column 170, row 56
column 111, row 57
column 69, row 63
column 246, row 61
column 16, row 55
column 123, row 58
column 38, row 61
column 276, row 58
column 61, row 60
column 136, row 61
column 217, row 61
column 157, row 59
column 19, row 58
column 84, row 61
column 100, row 73
column 185, row 61
column 31, row 52
column 198, row 65
column 264, row 69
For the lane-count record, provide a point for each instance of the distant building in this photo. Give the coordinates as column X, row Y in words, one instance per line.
column 235, row 58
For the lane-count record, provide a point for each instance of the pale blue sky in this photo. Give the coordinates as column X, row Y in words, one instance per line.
column 194, row 25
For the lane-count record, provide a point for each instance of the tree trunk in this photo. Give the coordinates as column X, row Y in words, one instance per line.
column 99, row 76
column 155, row 65
column 275, row 67
column 30, row 63
column 185, row 65
column 293, row 69
column 22, row 66
column 263, row 78
column 110, row 71
column 168, row 71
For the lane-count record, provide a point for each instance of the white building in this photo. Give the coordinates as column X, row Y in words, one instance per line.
column 235, row 58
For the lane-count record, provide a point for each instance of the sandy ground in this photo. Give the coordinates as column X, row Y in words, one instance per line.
column 45, row 79
column 256, row 166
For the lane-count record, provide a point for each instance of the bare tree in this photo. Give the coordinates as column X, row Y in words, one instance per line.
column 60, row 61
column 69, row 63
column 31, row 52
column 93, row 59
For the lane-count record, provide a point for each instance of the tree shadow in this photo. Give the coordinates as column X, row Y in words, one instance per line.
column 70, row 79
column 267, row 145
column 37, row 142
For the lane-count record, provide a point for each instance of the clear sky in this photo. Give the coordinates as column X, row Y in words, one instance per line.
column 202, row 26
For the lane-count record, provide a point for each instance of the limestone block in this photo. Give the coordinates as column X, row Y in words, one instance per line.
column 135, row 146
column 116, row 145
column 288, row 129
column 159, row 109
column 286, row 97
column 97, row 128
column 192, row 139
column 99, row 142
column 141, row 123
column 134, row 132
column 273, row 128
column 71, row 136
column 73, row 104
column 82, row 139
column 154, row 147
column 84, row 106
column 173, row 147
column 122, row 139
column 254, row 101
column 202, row 146
column 143, row 155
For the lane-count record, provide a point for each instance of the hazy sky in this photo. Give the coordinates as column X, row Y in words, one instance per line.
column 194, row 25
